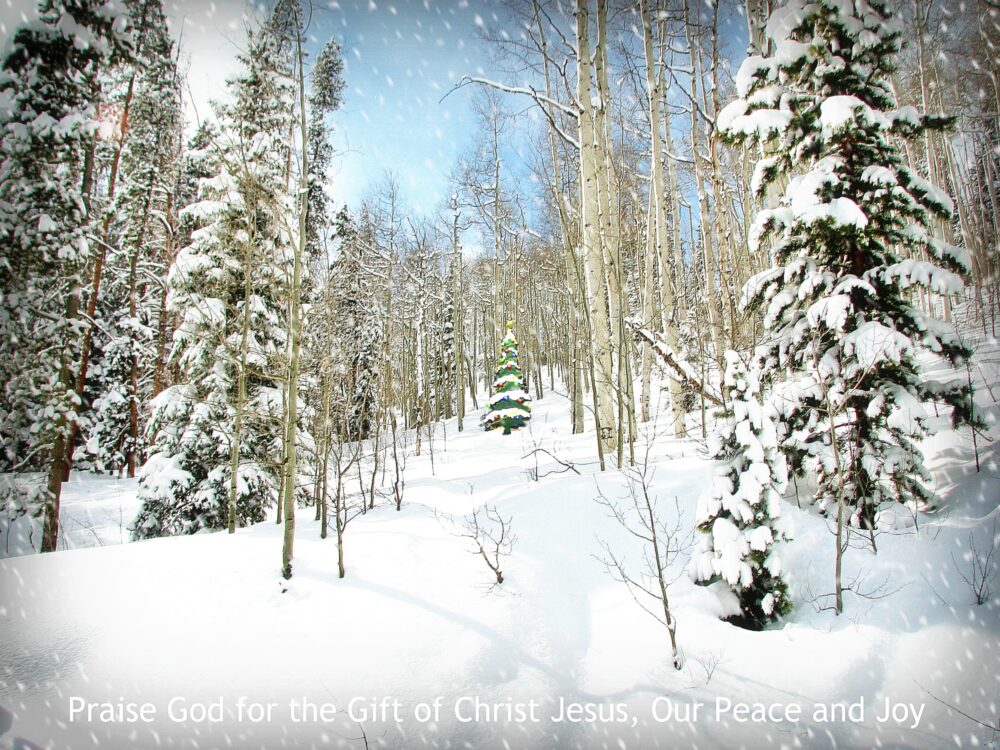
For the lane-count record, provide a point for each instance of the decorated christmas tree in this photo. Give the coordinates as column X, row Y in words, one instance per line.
column 508, row 407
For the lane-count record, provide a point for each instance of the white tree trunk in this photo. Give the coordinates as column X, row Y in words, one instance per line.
column 658, row 218
column 593, row 252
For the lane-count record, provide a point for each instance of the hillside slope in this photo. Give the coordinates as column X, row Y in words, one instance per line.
column 205, row 618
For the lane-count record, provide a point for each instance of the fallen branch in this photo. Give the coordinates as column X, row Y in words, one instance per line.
column 669, row 357
column 960, row 712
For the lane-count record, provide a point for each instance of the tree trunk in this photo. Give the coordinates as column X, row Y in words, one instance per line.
column 458, row 317
column 658, row 222
column 573, row 290
column 711, row 291
column 593, row 252
column 295, row 331
column 88, row 332
column 60, row 456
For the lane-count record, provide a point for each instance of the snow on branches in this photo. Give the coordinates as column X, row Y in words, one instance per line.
column 852, row 237
column 740, row 515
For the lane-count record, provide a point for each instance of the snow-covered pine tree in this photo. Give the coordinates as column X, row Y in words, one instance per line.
column 509, row 406
column 358, row 338
column 217, row 433
column 326, row 93
column 141, row 223
column 327, row 85
column 740, row 515
column 48, row 118
column 322, row 329
column 198, row 163
column 851, row 246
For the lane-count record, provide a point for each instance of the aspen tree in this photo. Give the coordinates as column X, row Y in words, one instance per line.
column 658, row 223
column 592, row 241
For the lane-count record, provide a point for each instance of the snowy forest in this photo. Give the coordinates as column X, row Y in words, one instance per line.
column 683, row 376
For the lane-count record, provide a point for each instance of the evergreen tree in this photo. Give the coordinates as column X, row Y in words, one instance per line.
column 851, row 247
column 108, row 440
column 140, row 222
column 509, row 406
column 325, row 98
column 48, row 118
column 358, row 316
column 739, row 517
column 217, row 434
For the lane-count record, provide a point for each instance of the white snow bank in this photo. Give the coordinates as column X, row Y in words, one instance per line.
column 202, row 618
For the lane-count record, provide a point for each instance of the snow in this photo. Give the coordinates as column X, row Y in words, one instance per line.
column 769, row 96
column 96, row 512
column 732, row 547
column 933, row 193
column 788, row 52
column 784, row 20
column 760, row 537
column 879, row 175
column 912, row 271
column 836, row 112
column 907, row 413
column 831, row 311
column 759, row 173
column 939, row 248
column 765, row 220
column 735, row 109
column 749, row 70
column 734, row 120
column 842, row 212
column 513, row 394
column 164, row 473
column 873, row 343
column 841, row 112
column 507, row 379
column 907, row 116
column 807, row 205
column 202, row 618
column 867, row 39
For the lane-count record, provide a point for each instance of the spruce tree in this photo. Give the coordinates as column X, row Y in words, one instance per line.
column 140, row 237
column 509, row 407
column 851, row 249
column 326, row 96
column 48, row 119
column 215, row 458
column 740, row 516
column 358, row 326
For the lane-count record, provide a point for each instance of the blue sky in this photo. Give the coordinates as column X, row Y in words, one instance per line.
column 401, row 58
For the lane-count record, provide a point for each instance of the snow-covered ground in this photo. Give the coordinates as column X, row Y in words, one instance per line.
column 96, row 511
column 198, row 620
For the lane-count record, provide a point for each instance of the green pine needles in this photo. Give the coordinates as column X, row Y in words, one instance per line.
column 509, row 406
column 855, row 244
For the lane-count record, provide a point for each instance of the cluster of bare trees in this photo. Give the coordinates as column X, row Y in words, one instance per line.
column 952, row 68
column 612, row 228
column 649, row 212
